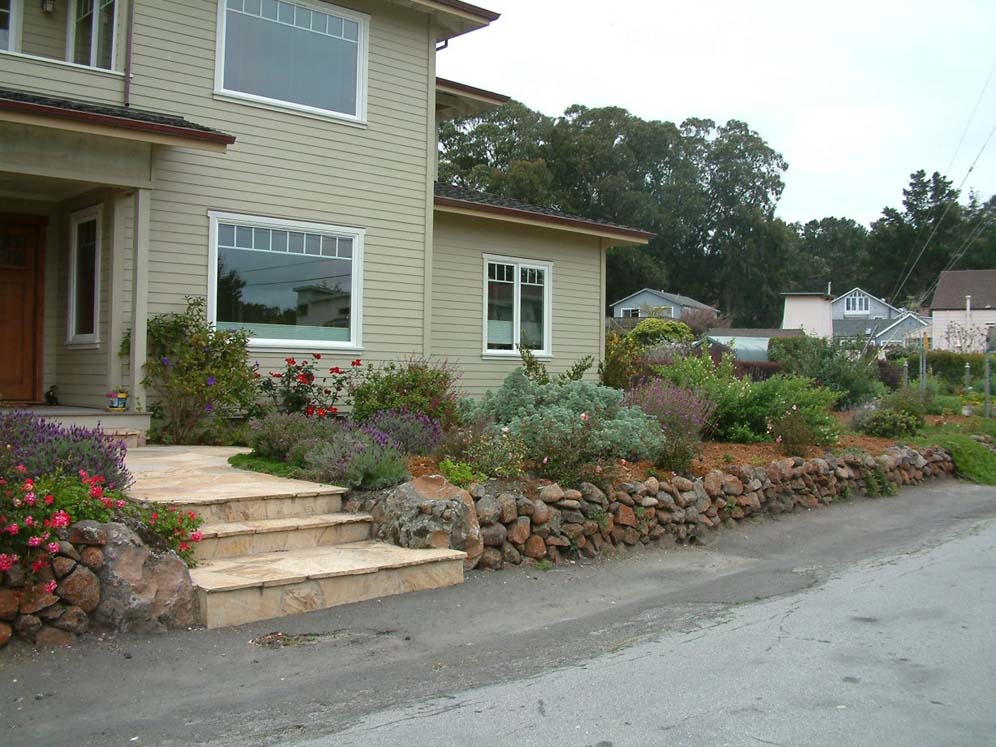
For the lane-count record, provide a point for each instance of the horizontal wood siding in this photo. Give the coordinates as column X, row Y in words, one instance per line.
column 44, row 34
column 458, row 291
column 287, row 165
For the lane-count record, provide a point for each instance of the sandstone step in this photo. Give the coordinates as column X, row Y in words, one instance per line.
column 244, row 589
column 256, row 507
column 232, row 539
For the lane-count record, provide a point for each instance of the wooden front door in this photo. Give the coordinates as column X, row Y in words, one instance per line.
column 22, row 241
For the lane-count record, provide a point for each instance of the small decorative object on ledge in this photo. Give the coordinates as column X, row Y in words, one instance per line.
column 50, row 396
column 117, row 400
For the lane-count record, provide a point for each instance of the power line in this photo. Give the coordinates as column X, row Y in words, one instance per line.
column 957, row 255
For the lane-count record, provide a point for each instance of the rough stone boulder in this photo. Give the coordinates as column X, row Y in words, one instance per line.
column 431, row 512
column 142, row 590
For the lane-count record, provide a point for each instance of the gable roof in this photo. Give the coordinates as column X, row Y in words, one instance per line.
column 870, row 295
column 450, row 198
column 954, row 285
column 26, row 104
column 859, row 327
column 903, row 318
column 672, row 297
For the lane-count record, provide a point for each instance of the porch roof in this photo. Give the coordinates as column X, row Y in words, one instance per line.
column 154, row 126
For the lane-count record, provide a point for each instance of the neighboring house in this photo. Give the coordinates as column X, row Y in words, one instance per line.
column 279, row 159
column 855, row 315
column 750, row 344
column 964, row 310
column 648, row 302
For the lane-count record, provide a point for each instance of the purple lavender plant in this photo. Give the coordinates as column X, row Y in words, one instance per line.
column 44, row 447
column 409, row 432
column 682, row 414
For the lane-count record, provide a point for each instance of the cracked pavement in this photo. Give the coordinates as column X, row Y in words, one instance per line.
column 867, row 622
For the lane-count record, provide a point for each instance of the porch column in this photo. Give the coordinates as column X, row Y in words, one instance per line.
column 139, row 297
column 115, row 291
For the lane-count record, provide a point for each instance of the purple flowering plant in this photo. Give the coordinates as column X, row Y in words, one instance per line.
column 682, row 414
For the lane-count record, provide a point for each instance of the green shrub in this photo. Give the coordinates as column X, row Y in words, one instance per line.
column 195, row 370
column 887, row 423
column 950, row 366
column 536, row 370
column 498, row 455
column 352, row 458
column 622, row 361
column 909, row 401
column 416, row 385
column 460, row 473
column 793, row 433
column 853, row 375
column 656, row 331
column 972, row 460
column 277, row 434
column 540, row 414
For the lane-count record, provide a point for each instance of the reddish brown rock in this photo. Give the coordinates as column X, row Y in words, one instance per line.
column 35, row 599
column 518, row 532
column 63, row 566
column 573, row 531
column 713, row 483
column 535, row 547
column 683, row 484
column 510, row 555
column 494, row 535
column 624, row 516
column 92, row 558
column 491, row 559
column 556, row 541
column 5, row 633
column 10, row 600
column 732, row 485
column 81, row 588
column 87, row 533
column 541, row 512
column 573, row 495
column 551, row 493
column 509, row 510
column 630, row 536
column 27, row 626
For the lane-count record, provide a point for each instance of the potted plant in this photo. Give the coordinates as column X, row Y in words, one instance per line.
column 117, row 399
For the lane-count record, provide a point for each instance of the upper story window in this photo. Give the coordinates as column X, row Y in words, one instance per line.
column 309, row 56
column 856, row 304
column 91, row 33
column 6, row 24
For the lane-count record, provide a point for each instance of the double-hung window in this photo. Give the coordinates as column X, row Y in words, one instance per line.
column 91, row 32
column 7, row 25
column 306, row 55
column 84, row 276
column 289, row 284
column 517, row 300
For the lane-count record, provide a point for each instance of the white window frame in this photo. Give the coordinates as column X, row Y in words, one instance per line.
column 624, row 315
column 355, row 341
column 14, row 39
column 362, row 84
column 854, row 302
column 519, row 262
column 94, row 213
column 94, row 26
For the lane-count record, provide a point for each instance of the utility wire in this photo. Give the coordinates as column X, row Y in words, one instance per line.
column 976, row 231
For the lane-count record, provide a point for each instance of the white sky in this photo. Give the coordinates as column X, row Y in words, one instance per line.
column 855, row 95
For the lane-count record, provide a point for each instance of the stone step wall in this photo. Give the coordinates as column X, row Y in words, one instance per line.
column 516, row 522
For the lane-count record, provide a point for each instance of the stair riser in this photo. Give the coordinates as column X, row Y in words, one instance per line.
column 212, row 548
column 223, row 608
column 255, row 509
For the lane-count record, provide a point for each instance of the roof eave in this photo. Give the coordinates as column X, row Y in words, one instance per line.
column 460, row 100
column 21, row 111
column 454, row 17
column 619, row 236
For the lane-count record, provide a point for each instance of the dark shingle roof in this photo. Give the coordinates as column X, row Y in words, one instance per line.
column 109, row 114
column 954, row 285
column 447, row 194
column 859, row 327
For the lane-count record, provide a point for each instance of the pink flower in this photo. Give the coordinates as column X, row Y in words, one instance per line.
column 29, row 521
column 196, row 536
column 22, row 469
column 12, row 529
column 184, row 547
column 52, row 547
column 50, row 587
column 546, row 460
column 60, row 519
column 30, row 499
column 35, row 541
column 7, row 562
column 119, row 503
column 584, row 417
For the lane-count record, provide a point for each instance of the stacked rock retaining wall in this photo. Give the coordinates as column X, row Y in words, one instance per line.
column 521, row 523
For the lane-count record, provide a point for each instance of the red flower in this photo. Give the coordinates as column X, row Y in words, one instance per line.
column 335, row 370
column 196, row 536
column 184, row 547
column 321, row 412
column 290, row 361
column 39, row 564
column 276, row 375
column 333, row 410
column 316, row 356
column 356, row 363
column 309, row 410
column 49, row 500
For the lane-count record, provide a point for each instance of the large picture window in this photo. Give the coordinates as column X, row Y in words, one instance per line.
column 310, row 56
column 517, row 306
column 84, row 276
column 286, row 283
column 856, row 303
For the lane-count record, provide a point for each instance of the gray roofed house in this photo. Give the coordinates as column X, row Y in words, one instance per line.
column 750, row 344
column 648, row 302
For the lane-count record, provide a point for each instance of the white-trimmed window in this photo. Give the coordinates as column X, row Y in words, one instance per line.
column 7, row 24
column 92, row 32
column 84, row 277
column 305, row 55
column 630, row 314
column 856, row 303
column 517, row 305
column 663, row 312
column 289, row 284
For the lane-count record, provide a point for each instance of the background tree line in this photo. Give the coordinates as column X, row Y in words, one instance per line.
column 709, row 191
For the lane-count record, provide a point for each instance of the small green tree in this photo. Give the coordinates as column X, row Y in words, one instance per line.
column 195, row 370
column 655, row 331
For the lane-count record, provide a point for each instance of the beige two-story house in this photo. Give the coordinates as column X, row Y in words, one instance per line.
column 278, row 158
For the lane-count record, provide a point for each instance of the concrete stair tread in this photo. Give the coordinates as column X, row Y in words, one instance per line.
column 263, row 526
column 235, row 494
column 295, row 566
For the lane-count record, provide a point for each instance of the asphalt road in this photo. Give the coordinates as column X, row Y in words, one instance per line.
column 868, row 622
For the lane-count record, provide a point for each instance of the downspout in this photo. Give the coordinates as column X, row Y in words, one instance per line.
column 129, row 33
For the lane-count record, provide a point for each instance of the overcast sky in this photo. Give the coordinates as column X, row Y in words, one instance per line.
column 855, row 95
